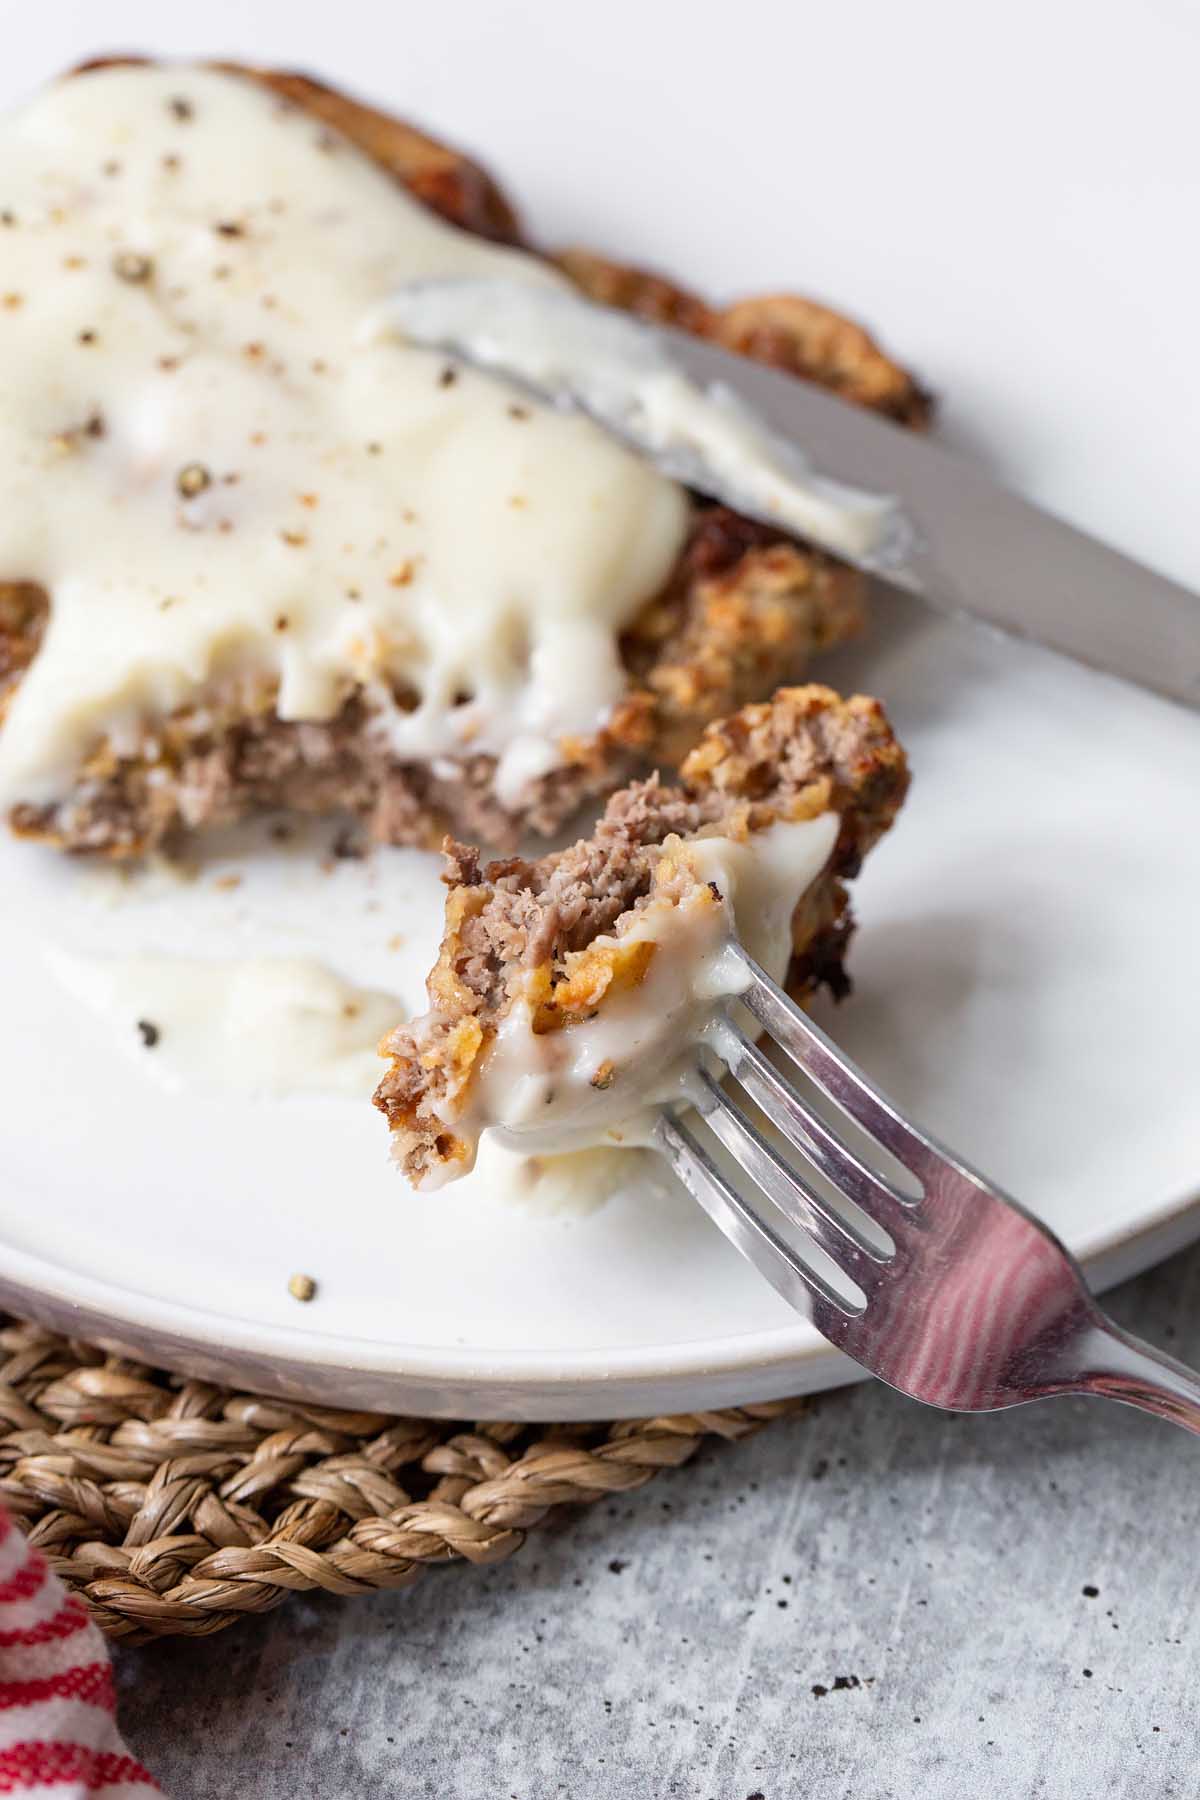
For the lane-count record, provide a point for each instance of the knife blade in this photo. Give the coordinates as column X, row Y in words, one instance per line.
column 980, row 548
column 971, row 545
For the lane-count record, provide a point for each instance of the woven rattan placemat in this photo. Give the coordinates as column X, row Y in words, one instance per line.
column 174, row 1506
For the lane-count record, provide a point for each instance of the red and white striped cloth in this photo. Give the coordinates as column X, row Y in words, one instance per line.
column 58, row 1728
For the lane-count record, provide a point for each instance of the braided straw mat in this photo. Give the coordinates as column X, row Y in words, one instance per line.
column 173, row 1506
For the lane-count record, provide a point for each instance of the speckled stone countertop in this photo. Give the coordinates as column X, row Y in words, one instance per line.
column 873, row 1601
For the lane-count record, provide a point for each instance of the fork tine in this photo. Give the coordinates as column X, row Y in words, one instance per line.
column 833, row 1071
column 781, row 1264
column 839, row 1237
column 810, row 1134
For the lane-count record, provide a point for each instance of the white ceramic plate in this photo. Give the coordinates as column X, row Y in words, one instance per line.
column 1027, row 938
column 1028, row 952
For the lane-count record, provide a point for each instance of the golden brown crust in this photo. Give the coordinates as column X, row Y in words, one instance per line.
column 636, row 290
column 743, row 613
column 786, row 331
column 24, row 610
column 808, row 737
column 746, row 610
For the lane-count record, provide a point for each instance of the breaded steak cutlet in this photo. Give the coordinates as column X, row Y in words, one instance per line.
column 743, row 609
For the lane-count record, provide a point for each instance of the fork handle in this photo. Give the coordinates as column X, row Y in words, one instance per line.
column 1115, row 1364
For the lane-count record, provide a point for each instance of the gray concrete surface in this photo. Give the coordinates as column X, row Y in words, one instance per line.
column 874, row 1601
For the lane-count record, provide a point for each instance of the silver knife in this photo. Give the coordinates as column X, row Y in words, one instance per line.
column 971, row 546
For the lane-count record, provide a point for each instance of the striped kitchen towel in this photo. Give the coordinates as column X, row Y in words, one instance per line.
column 58, row 1728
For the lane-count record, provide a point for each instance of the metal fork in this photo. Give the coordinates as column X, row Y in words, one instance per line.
column 969, row 1304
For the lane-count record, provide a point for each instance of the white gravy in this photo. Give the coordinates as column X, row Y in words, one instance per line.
column 540, row 1092
column 217, row 471
column 254, row 1027
column 621, row 372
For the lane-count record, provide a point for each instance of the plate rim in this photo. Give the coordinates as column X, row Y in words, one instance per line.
column 532, row 1383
